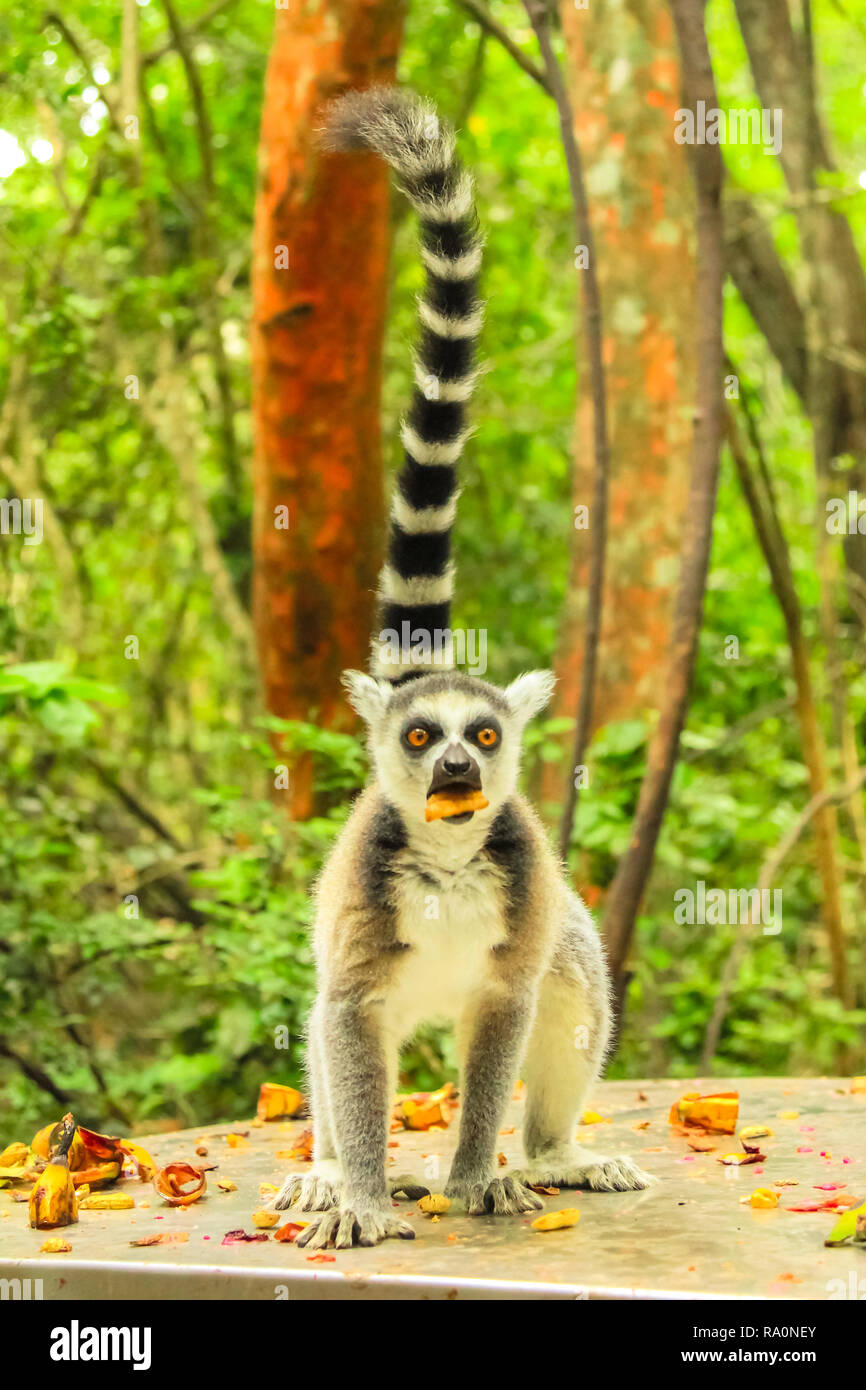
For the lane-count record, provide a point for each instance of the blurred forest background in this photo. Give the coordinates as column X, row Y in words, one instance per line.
column 166, row 650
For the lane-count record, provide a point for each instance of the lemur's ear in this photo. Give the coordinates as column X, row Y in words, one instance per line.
column 367, row 696
column 530, row 693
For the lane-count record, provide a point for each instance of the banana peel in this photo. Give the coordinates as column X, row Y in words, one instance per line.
column 107, row 1201
column 98, row 1176
column 53, row 1202
column 21, row 1174
column 86, row 1148
column 88, row 1151
column 104, row 1148
column 48, row 1138
column 14, row 1156
column 41, row 1140
column 137, row 1162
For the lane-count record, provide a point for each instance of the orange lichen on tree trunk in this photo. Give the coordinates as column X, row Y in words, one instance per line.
column 320, row 260
column 626, row 79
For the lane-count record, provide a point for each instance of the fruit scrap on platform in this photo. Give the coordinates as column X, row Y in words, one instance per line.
column 278, row 1102
column 717, row 1112
column 425, row 1109
column 180, row 1183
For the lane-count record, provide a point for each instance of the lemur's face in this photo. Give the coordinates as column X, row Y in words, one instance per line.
column 449, row 734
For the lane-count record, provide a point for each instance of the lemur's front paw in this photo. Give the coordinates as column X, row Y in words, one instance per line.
column 572, row 1169
column 501, row 1196
column 354, row 1225
column 313, row 1192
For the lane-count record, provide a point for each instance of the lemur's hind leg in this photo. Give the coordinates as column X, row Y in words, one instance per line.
column 319, row 1189
column 489, row 1041
column 564, row 1058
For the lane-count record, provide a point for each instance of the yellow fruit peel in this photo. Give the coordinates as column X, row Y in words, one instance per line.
column 107, row 1201
column 763, row 1199
column 557, row 1220
column 435, row 1203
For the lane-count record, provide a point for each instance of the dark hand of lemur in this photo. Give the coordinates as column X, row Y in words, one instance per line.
column 442, row 899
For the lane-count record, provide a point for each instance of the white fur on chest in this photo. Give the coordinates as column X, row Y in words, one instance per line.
column 451, row 926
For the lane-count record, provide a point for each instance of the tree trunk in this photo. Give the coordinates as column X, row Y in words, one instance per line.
column 634, row 868
column 593, row 340
column 319, row 294
column 642, row 207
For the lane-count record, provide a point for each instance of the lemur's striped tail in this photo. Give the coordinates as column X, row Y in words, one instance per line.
column 416, row 583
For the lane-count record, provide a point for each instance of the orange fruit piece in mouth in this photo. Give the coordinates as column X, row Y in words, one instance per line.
column 442, row 804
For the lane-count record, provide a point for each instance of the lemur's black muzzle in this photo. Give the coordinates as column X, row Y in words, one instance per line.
column 455, row 768
column 455, row 771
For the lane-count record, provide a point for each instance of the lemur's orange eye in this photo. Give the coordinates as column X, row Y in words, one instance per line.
column 488, row 738
column 418, row 737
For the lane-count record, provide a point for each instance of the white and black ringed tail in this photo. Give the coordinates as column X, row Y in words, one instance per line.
column 416, row 584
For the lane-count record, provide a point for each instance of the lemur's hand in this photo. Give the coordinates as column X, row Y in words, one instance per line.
column 354, row 1225
column 499, row 1196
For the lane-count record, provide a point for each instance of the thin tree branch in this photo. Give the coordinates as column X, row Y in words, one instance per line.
column 165, row 409
column 829, row 796
column 185, row 197
column 98, row 1075
column 139, row 948
column 474, row 83
column 757, row 271
column 24, row 479
column 192, row 29
column 753, row 720
column 35, row 1073
column 210, row 313
column 482, row 16
column 52, row 17
column 78, row 216
column 131, row 802
column 774, row 547
column 204, row 130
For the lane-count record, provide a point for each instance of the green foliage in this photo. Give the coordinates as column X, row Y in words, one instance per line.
column 57, row 700
column 144, row 1010
column 143, row 774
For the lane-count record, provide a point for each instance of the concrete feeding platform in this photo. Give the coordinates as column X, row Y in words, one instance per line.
column 689, row 1236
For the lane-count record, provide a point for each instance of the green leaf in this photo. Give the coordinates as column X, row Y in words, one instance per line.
column 84, row 689
column 616, row 740
column 38, row 676
column 69, row 719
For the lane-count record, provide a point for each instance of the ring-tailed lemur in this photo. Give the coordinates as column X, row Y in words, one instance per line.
column 468, row 917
